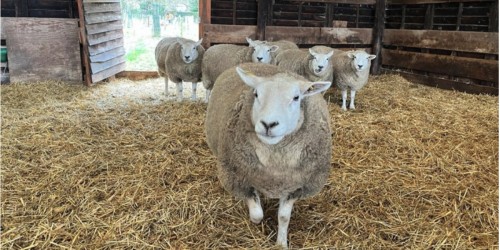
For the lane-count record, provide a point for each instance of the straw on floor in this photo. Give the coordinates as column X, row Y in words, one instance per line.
column 88, row 168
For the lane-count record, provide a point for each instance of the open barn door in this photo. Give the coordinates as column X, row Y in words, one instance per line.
column 101, row 35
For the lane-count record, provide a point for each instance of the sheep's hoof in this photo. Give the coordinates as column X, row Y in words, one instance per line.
column 344, row 108
column 282, row 243
column 256, row 215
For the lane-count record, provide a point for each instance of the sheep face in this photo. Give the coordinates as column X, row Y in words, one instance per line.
column 360, row 60
column 276, row 110
column 319, row 62
column 261, row 51
column 189, row 50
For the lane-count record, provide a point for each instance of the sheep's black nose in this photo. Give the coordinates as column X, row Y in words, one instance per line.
column 187, row 57
column 269, row 125
column 259, row 58
column 320, row 67
column 360, row 66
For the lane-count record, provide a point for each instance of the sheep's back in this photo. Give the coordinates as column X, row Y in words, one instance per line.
column 293, row 60
column 217, row 59
column 161, row 52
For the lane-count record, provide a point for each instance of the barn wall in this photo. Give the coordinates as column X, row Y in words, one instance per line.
column 40, row 8
column 451, row 44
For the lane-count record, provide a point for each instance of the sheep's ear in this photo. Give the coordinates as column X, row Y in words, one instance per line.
column 371, row 57
column 312, row 88
column 248, row 77
column 274, row 48
column 351, row 55
column 330, row 54
column 199, row 42
column 311, row 51
column 251, row 43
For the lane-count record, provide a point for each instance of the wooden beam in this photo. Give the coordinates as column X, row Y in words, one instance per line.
column 218, row 33
column 432, row 1
column 480, row 69
column 369, row 2
column 138, row 75
column 493, row 26
column 205, row 9
column 445, row 83
column 262, row 17
column 318, row 35
column 378, row 34
column 477, row 42
column 84, row 44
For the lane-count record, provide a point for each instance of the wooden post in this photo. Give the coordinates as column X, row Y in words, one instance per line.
column 205, row 16
column 262, row 17
column 378, row 33
column 85, row 45
column 21, row 8
column 493, row 26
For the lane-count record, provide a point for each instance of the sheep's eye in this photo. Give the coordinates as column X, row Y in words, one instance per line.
column 255, row 94
column 296, row 98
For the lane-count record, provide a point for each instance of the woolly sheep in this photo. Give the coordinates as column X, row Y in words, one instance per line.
column 314, row 64
column 179, row 59
column 351, row 70
column 221, row 57
column 282, row 45
column 270, row 132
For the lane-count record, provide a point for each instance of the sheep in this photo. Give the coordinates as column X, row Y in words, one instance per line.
column 270, row 132
column 179, row 59
column 314, row 65
column 283, row 45
column 221, row 57
column 351, row 69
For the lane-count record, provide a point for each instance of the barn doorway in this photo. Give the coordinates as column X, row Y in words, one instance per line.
column 146, row 22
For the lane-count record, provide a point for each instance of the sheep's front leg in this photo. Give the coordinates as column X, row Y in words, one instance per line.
column 207, row 95
column 166, row 86
column 353, row 95
column 193, row 94
column 284, row 214
column 344, row 97
column 179, row 91
column 254, row 207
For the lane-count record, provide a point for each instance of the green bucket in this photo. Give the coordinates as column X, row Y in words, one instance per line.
column 3, row 54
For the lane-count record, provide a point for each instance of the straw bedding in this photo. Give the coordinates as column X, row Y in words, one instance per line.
column 113, row 167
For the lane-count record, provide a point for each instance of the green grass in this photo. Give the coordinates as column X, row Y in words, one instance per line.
column 136, row 53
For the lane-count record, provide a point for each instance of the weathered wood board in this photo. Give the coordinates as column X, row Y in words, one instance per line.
column 42, row 49
column 480, row 69
column 478, row 42
column 313, row 35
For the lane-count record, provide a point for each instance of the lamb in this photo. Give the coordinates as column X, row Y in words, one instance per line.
column 179, row 59
column 270, row 132
column 221, row 57
column 314, row 65
column 351, row 70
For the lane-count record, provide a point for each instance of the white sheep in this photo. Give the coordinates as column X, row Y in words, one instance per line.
column 282, row 45
column 221, row 57
column 179, row 59
column 314, row 64
column 351, row 69
column 270, row 132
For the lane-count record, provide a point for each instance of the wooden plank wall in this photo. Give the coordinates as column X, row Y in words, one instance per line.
column 39, row 8
column 42, row 49
column 104, row 38
column 451, row 45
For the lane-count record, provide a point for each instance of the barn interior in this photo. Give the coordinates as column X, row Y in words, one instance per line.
column 93, row 158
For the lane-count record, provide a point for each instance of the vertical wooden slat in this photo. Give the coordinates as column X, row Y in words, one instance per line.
column 357, row 16
column 84, row 42
column 22, row 8
column 205, row 15
column 403, row 16
column 493, row 26
column 378, row 32
column 429, row 17
column 262, row 18
column 234, row 12
column 459, row 15
column 300, row 15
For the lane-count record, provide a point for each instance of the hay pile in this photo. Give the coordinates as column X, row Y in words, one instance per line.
column 413, row 167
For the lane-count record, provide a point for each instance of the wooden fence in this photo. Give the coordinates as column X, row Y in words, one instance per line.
column 451, row 44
